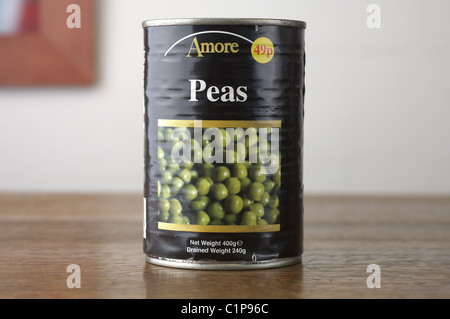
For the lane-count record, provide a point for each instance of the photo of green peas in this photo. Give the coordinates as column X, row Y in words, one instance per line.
column 218, row 183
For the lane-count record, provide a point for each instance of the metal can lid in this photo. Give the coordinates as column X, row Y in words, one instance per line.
column 224, row 21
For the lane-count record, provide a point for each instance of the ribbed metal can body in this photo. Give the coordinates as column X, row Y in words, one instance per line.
column 223, row 117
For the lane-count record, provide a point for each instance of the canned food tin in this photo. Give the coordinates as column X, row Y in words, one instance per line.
column 223, row 142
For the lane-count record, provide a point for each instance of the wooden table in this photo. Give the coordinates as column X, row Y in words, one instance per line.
column 40, row 235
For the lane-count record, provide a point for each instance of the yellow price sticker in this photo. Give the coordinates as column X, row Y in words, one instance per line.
column 262, row 50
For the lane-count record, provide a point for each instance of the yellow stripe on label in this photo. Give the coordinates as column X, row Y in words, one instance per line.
column 219, row 228
column 218, row 123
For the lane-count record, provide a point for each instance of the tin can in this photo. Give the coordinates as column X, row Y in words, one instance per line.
column 223, row 120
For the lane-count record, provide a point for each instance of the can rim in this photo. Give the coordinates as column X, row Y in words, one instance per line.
column 224, row 21
column 226, row 265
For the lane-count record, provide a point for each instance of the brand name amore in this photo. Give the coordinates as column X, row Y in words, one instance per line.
column 197, row 49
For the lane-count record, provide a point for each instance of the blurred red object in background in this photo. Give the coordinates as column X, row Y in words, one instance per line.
column 38, row 48
column 29, row 20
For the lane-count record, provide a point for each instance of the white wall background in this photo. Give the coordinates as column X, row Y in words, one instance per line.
column 377, row 101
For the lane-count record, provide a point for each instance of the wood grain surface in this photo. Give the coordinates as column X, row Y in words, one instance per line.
column 40, row 235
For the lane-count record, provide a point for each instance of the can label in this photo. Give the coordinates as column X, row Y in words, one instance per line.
column 223, row 143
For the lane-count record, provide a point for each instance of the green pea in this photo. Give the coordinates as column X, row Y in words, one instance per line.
column 203, row 186
column 216, row 211
column 185, row 175
column 196, row 151
column 247, row 201
column 176, row 219
column 226, row 137
column 207, row 169
column 211, row 134
column 197, row 204
column 262, row 222
column 255, row 191
column 250, row 141
column 186, row 220
column 202, row 218
column 274, row 201
column 189, row 192
column 164, row 216
column 275, row 161
column 221, row 173
column 216, row 222
column 160, row 136
column 168, row 134
column 200, row 203
column 166, row 177
column 210, row 155
column 272, row 215
column 277, row 177
column 173, row 168
column 163, row 205
column 263, row 146
column 239, row 170
column 245, row 184
column 251, row 131
column 175, row 207
column 165, row 191
column 257, row 209
column 232, row 157
column 241, row 152
column 160, row 153
column 248, row 165
column 210, row 180
column 174, row 147
column 238, row 133
column 233, row 204
column 233, row 185
column 205, row 199
column 195, row 144
column 205, row 142
column 194, row 176
column 260, row 157
column 162, row 164
column 181, row 133
column 265, row 198
column 230, row 219
column 170, row 160
column 219, row 191
column 248, row 218
column 258, row 174
column 269, row 185
column 176, row 185
column 187, row 165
